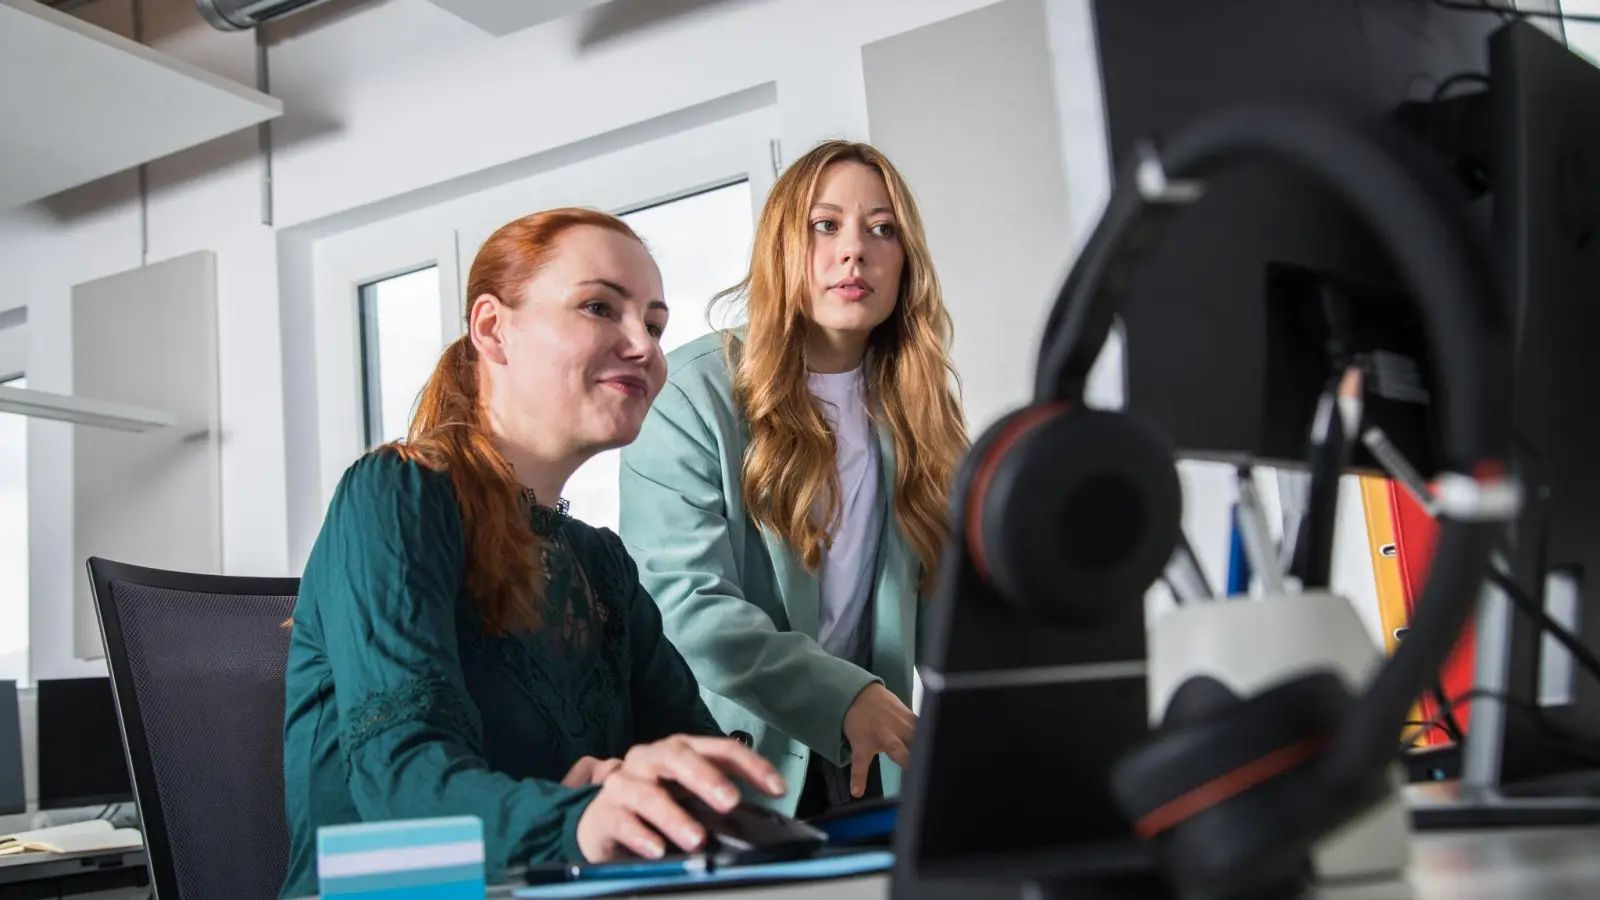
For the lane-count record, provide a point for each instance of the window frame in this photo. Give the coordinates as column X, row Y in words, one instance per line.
column 371, row 364
column 448, row 234
column 8, row 377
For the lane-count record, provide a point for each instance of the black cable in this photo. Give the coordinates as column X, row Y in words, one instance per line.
column 1561, row 739
column 1529, row 608
column 1508, row 15
column 1447, row 713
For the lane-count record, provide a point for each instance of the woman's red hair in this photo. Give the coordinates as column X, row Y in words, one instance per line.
column 448, row 431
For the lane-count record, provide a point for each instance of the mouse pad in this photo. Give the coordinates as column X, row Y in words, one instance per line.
column 820, row 868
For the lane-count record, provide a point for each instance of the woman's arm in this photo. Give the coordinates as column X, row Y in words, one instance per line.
column 388, row 567
column 674, row 525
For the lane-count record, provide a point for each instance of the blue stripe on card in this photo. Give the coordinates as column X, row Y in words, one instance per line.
column 337, row 839
column 461, row 890
column 390, row 881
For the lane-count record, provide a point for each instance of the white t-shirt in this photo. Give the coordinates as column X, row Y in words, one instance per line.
column 850, row 565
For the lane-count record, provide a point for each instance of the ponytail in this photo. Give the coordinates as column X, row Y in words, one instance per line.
column 447, row 434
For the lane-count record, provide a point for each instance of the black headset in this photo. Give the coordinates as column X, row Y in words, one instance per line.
column 1071, row 509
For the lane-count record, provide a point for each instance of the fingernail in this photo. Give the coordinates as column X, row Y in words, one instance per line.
column 727, row 796
column 775, row 784
column 656, row 850
column 689, row 838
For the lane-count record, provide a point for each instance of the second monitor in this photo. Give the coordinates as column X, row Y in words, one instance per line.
column 81, row 757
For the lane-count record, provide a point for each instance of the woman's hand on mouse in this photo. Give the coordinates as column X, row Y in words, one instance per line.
column 589, row 770
column 877, row 722
column 633, row 809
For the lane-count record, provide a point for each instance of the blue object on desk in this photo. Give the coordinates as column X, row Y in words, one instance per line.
column 1238, row 560
column 860, row 822
column 419, row 859
column 840, row 866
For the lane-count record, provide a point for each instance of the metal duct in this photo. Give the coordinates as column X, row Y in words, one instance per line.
column 241, row 15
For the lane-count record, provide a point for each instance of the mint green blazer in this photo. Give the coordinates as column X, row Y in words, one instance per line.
column 736, row 601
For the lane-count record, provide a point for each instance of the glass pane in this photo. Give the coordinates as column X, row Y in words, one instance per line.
column 14, row 544
column 401, row 341
column 702, row 245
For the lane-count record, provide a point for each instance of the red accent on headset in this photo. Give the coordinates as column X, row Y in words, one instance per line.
column 1015, row 429
column 1227, row 786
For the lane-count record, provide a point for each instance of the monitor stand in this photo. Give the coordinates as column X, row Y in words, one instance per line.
column 1453, row 805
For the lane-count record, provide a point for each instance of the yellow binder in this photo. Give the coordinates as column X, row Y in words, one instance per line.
column 1392, row 614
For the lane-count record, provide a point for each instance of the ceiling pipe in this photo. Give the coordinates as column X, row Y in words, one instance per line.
column 242, row 15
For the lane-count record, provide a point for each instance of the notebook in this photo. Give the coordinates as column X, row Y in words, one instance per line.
column 841, row 866
column 78, row 837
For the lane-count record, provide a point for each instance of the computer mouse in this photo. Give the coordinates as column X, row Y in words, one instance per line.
column 749, row 832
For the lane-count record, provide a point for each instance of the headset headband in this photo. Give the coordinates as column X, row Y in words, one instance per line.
column 1445, row 270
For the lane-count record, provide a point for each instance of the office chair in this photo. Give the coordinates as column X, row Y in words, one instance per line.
column 197, row 665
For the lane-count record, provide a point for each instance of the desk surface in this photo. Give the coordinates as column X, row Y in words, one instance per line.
column 23, row 867
column 1554, row 864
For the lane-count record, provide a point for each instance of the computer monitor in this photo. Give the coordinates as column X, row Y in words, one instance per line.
column 1545, row 103
column 1206, row 346
column 1221, row 356
column 13, row 788
column 81, row 757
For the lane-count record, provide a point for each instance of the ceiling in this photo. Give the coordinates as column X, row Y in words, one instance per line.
column 78, row 103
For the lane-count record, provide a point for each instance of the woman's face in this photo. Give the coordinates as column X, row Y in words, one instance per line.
column 856, row 256
column 575, row 367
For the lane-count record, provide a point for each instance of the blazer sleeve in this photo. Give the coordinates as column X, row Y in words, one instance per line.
column 389, row 566
column 675, row 525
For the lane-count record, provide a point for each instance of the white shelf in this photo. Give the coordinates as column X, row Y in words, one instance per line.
column 82, row 411
column 78, row 103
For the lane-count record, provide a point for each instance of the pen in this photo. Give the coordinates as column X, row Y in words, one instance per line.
column 1184, row 575
column 1399, row 468
column 1256, row 536
column 1338, row 417
column 562, row 872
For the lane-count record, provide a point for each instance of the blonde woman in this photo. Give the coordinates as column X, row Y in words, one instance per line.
column 786, row 499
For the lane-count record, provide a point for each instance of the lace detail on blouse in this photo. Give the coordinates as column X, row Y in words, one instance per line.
column 576, row 667
column 433, row 701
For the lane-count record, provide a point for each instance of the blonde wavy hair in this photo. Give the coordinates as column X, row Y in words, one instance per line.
column 789, row 472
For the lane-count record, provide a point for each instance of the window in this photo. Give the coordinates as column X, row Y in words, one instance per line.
column 400, row 344
column 384, row 297
column 702, row 244
column 14, row 543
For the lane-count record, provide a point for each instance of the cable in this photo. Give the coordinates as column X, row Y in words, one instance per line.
column 1509, row 15
column 1529, row 608
column 1559, row 738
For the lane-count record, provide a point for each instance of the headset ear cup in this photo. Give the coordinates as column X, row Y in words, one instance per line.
column 1231, row 797
column 1080, row 515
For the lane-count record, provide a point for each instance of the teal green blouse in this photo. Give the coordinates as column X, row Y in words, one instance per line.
column 400, row 706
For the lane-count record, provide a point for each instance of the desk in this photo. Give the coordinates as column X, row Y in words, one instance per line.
column 1553, row 864
column 28, row 875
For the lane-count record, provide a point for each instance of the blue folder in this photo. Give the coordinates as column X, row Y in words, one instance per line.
column 841, row 866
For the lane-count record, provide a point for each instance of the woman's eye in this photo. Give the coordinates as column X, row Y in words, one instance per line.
column 655, row 330
column 825, row 226
column 597, row 308
column 884, row 229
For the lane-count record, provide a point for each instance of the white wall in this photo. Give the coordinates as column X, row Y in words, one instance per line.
column 205, row 199
column 976, row 137
column 384, row 101
column 13, row 346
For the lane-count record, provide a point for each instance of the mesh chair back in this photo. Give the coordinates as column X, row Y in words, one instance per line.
column 197, row 665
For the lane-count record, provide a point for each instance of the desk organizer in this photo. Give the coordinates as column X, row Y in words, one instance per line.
column 422, row 859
